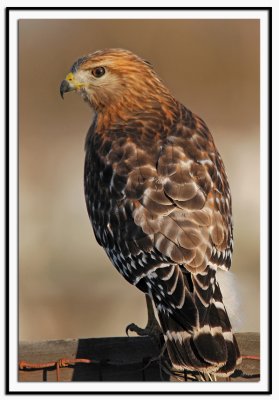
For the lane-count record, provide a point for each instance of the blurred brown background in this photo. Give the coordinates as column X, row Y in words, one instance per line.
column 67, row 287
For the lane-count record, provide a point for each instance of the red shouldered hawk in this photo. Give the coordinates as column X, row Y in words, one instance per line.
column 159, row 202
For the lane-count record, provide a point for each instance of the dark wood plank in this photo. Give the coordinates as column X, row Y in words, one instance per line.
column 112, row 359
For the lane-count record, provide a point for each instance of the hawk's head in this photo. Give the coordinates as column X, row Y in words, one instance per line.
column 112, row 77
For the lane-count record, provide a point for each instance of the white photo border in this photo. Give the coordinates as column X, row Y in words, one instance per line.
column 12, row 17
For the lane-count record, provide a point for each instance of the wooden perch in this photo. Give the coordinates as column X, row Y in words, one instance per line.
column 111, row 359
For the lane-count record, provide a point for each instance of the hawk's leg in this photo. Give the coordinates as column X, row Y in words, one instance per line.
column 152, row 328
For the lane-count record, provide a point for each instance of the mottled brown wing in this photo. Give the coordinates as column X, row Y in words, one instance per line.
column 185, row 206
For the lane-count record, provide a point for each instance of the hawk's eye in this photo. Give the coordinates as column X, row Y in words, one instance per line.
column 98, row 72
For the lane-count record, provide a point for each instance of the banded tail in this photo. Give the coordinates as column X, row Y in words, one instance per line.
column 194, row 320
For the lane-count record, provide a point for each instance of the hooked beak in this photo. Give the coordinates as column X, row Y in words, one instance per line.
column 65, row 87
column 69, row 84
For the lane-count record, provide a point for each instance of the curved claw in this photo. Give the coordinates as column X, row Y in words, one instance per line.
column 127, row 330
column 131, row 327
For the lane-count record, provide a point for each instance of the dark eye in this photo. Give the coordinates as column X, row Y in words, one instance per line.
column 98, row 72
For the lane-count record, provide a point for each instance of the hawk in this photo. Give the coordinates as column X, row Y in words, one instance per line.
column 159, row 203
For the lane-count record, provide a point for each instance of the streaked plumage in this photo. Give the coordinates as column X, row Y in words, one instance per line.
column 159, row 202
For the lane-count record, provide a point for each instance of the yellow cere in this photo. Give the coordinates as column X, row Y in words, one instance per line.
column 71, row 78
